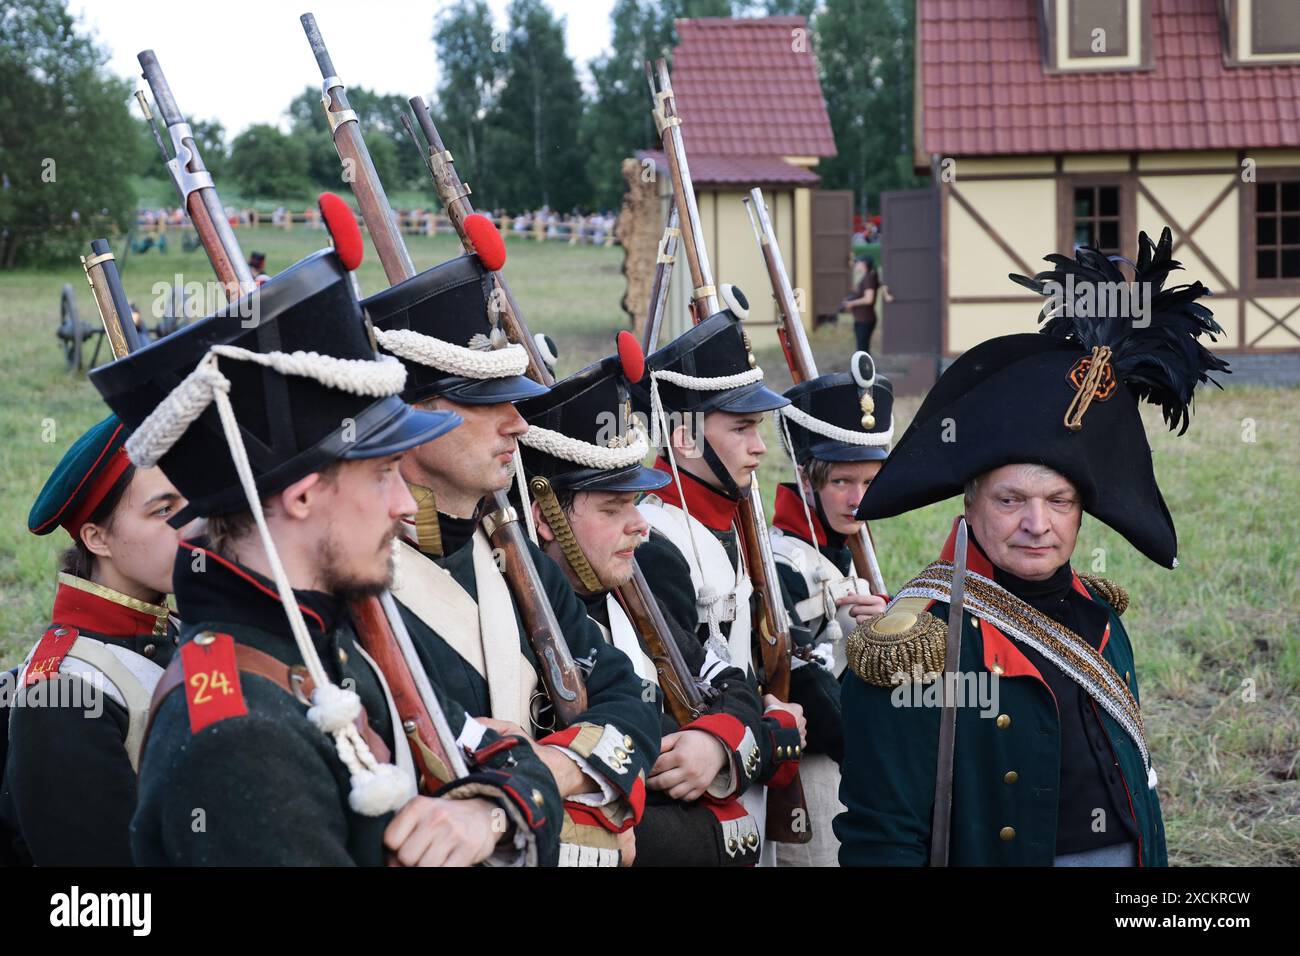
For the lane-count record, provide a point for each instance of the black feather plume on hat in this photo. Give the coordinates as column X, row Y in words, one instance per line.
column 1162, row 361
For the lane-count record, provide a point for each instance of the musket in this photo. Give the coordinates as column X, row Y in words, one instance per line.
column 799, row 357
column 665, row 259
column 682, row 694
column 772, row 626
column 193, row 183
column 434, row 748
column 560, row 674
column 110, row 298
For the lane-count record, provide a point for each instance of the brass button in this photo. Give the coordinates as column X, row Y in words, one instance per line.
column 60, row 631
column 627, row 743
column 538, row 798
column 620, row 754
column 997, row 669
column 207, row 637
column 1126, row 677
column 868, row 422
column 150, row 650
column 732, row 845
column 751, row 840
column 797, row 751
column 1011, row 777
column 1007, row 834
column 343, row 656
column 1004, row 721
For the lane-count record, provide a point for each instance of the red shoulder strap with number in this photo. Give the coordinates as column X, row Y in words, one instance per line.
column 212, row 691
column 49, row 653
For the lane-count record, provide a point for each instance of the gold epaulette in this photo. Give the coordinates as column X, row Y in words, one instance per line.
column 905, row 640
column 1113, row 594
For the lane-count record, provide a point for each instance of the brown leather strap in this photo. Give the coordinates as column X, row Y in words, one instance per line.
column 293, row 680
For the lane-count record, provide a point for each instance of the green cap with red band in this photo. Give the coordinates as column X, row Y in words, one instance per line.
column 81, row 480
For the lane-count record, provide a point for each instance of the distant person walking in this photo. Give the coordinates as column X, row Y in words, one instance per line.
column 862, row 302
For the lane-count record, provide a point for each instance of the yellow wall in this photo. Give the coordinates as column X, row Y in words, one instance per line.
column 735, row 258
column 1021, row 211
column 1186, row 198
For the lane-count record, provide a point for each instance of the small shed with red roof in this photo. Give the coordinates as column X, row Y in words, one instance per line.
column 752, row 114
column 1051, row 123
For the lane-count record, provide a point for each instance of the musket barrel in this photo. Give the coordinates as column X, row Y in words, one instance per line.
column 200, row 198
column 308, row 21
column 162, row 91
column 345, row 129
column 113, row 281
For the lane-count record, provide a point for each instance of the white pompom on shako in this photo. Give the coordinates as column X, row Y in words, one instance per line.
column 734, row 300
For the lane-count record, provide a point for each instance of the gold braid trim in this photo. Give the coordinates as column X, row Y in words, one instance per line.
column 1116, row 595
column 428, row 533
column 904, row 640
column 544, row 495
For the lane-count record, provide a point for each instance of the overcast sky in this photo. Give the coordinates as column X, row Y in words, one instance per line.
column 242, row 61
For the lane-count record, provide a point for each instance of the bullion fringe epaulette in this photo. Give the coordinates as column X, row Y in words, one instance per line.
column 904, row 640
column 1116, row 595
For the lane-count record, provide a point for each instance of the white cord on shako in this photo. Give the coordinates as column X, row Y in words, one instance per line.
column 376, row 788
column 711, row 601
column 558, row 445
column 487, row 362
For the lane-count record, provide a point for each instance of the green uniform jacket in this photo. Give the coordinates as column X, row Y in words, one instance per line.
column 1005, row 772
column 268, row 788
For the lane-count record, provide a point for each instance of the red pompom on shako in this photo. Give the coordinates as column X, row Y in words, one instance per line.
column 485, row 239
column 630, row 354
column 343, row 229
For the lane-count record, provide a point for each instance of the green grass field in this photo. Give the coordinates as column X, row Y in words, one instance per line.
column 1216, row 642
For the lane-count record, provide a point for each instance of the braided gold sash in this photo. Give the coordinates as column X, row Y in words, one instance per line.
column 1069, row 652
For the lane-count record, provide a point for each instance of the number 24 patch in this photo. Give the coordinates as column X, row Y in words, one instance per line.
column 212, row 691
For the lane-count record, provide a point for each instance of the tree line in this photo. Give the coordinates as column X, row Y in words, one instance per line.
column 511, row 106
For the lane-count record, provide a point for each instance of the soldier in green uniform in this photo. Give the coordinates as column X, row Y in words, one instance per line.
column 274, row 738
column 454, row 596
column 583, row 454
column 84, row 689
column 1051, row 765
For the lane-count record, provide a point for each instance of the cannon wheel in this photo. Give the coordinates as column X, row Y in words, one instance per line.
column 70, row 328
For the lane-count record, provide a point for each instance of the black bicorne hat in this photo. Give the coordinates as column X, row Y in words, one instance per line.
column 857, row 401
column 591, row 413
column 291, row 424
column 716, row 348
column 441, row 324
column 1067, row 398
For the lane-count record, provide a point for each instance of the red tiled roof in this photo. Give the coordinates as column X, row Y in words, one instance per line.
column 984, row 91
column 742, row 90
column 744, row 170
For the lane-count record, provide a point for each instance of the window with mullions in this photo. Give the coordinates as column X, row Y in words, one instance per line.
column 1097, row 218
column 1277, row 230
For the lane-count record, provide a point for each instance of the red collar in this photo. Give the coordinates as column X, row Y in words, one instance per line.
column 95, row 609
column 709, row 507
column 790, row 517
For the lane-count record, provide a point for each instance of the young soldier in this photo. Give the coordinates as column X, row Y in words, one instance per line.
column 838, row 427
column 272, row 731
column 705, row 397
column 455, row 599
column 1036, row 430
column 582, row 454
column 79, row 717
